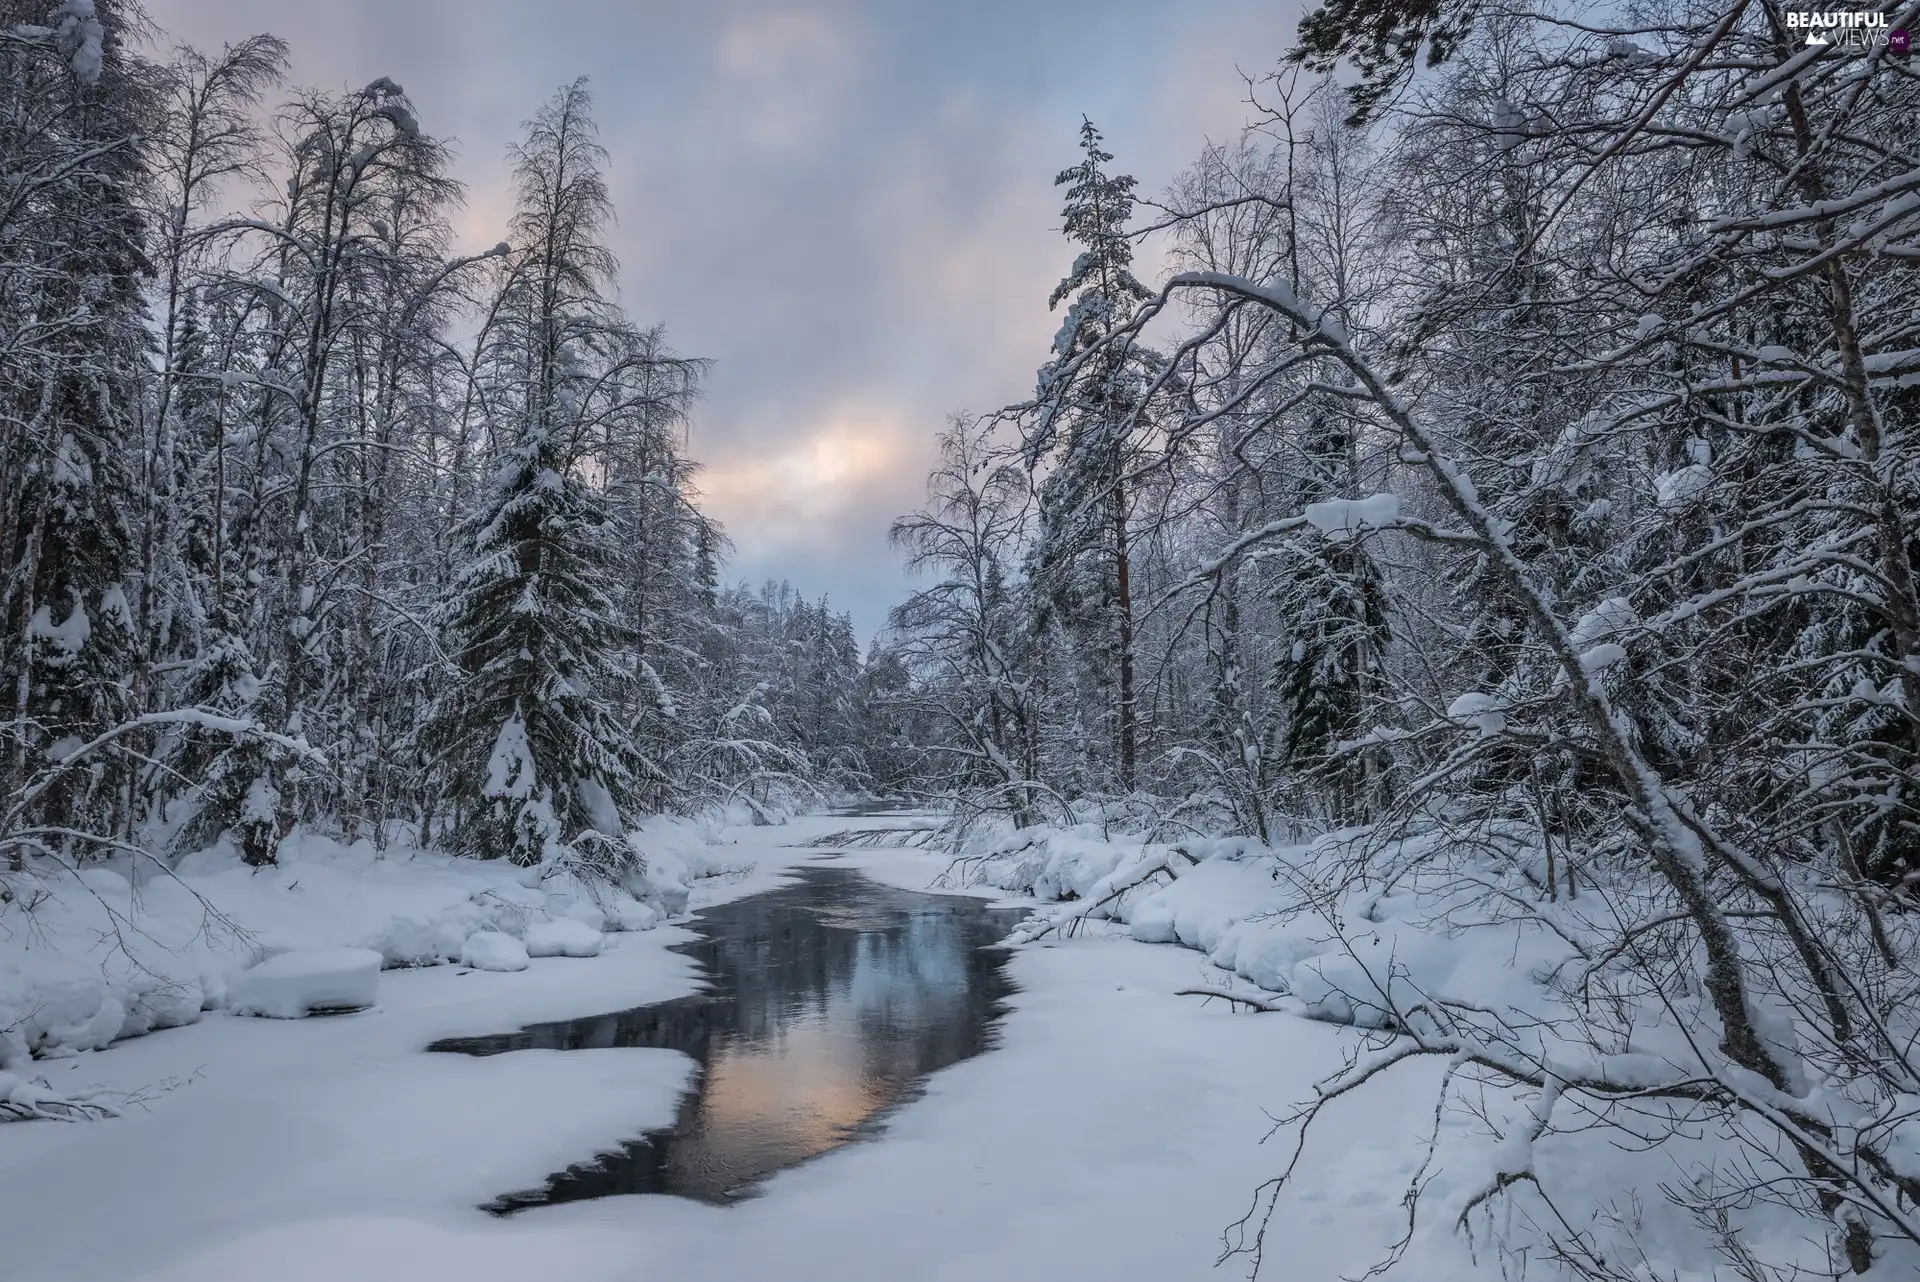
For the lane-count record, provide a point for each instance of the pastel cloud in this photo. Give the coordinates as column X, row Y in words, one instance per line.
column 789, row 72
column 816, row 477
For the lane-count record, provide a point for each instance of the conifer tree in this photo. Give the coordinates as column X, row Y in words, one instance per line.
column 76, row 98
column 529, row 741
column 1088, row 426
column 533, row 756
column 1333, row 600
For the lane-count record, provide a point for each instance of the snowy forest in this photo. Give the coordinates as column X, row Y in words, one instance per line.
column 1456, row 567
column 1506, row 500
column 315, row 518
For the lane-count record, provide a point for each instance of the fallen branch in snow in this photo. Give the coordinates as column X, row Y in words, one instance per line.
column 1264, row 1005
column 962, row 871
column 1103, row 892
column 23, row 1101
column 874, row 838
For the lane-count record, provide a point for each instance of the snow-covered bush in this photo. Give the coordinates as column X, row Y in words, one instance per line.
column 1454, row 947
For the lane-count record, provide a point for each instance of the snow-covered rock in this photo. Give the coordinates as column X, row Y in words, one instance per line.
column 493, row 950
column 563, row 937
column 509, row 908
column 585, row 911
column 662, row 882
column 158, row 1003
column 70, row 1031
column 294, row 984
column 408, row 941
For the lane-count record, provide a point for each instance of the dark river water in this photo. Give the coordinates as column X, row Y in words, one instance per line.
column 829, row 1002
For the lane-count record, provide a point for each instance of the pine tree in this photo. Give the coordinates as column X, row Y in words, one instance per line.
column 1333, row 600
column 529, row 741
column 1090, row 403
column 533, row 755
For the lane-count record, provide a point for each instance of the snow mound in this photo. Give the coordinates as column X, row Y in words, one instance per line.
column 674, row 853
column 563, row 937
column 630, row 915
column 1242, row 905
column 410, row 942
column 86, row 961
column 493, row 950
column 295, row 984
column 91, row 955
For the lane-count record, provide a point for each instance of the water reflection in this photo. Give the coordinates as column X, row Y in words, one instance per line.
column 830, row 999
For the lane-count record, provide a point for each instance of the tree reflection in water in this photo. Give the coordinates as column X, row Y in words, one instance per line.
column 830, row 1000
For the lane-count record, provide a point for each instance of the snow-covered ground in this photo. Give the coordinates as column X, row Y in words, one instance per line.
column 89, row 957
column 1115, row 1133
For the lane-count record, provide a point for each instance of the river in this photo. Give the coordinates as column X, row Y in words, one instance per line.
column 829, row 1000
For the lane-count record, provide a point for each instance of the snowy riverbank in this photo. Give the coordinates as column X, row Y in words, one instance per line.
column 1114, row 1133
column 89, row 958
column 1550, row 1098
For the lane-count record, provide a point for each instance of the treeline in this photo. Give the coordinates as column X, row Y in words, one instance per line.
column 310, row 516
column 1521, row 457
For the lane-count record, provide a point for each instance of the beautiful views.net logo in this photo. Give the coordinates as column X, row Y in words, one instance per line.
column 1859, row 30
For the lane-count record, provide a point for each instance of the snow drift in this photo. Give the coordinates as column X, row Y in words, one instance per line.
column 93, row 955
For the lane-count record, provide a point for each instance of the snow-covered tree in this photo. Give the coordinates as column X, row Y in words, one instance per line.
column 75, row 97
column 964, row 635
column 529, row 741
column 529, row 738
column 1088, row 431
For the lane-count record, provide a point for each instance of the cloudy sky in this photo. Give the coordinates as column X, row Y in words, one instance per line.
column 846, row 204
